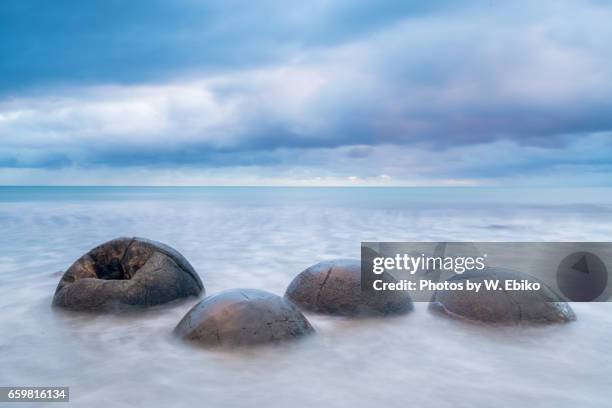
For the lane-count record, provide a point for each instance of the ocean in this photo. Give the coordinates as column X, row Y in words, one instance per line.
column 260, row 237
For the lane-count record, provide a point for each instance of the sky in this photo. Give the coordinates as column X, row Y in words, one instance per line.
column 346, row 92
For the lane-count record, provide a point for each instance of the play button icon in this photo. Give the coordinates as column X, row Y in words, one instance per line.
column 582, row 265
column 582, row 277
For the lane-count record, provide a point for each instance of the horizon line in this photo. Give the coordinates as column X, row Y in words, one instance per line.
column 288, row 186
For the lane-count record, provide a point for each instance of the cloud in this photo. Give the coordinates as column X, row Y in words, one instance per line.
column 580, row 163
column 332, row 90
column 126, row 42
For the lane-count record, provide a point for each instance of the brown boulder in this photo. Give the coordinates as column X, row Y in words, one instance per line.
column 543, row 306
column 127, row 272
column 334, row 287
column 242, row 317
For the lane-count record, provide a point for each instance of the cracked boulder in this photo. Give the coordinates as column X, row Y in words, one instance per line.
column 501, row 306
column 126, row 272
column 334, row 287
column 243, row 317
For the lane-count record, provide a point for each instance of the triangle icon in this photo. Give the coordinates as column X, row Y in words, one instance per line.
column 581, row 265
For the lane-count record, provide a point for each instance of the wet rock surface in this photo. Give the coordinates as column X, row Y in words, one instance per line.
column 334, row 287
column 243, row 317
column 127, row 272
column 502, row 306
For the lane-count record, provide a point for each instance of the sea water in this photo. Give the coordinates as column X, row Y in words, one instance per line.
column 261, row 238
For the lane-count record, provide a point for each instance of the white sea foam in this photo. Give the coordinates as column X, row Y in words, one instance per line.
column 261, row 239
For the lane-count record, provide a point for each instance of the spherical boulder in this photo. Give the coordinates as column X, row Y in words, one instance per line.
column 126, row 272
column 501, row 306
column 243, row 317
column 334, row 287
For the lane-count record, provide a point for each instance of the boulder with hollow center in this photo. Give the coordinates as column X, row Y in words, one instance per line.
column 127, row 272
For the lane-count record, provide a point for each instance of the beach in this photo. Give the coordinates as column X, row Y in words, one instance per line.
column 261, row 238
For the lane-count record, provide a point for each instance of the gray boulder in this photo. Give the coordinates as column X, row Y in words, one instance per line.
column 126, row 272
column 243, row 317
column 501, row 306
column 334, row 287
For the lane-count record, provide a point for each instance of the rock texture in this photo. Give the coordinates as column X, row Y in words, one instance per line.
column 243, row 317
column 127, row 272
column 334, row 287
column 502, row 306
